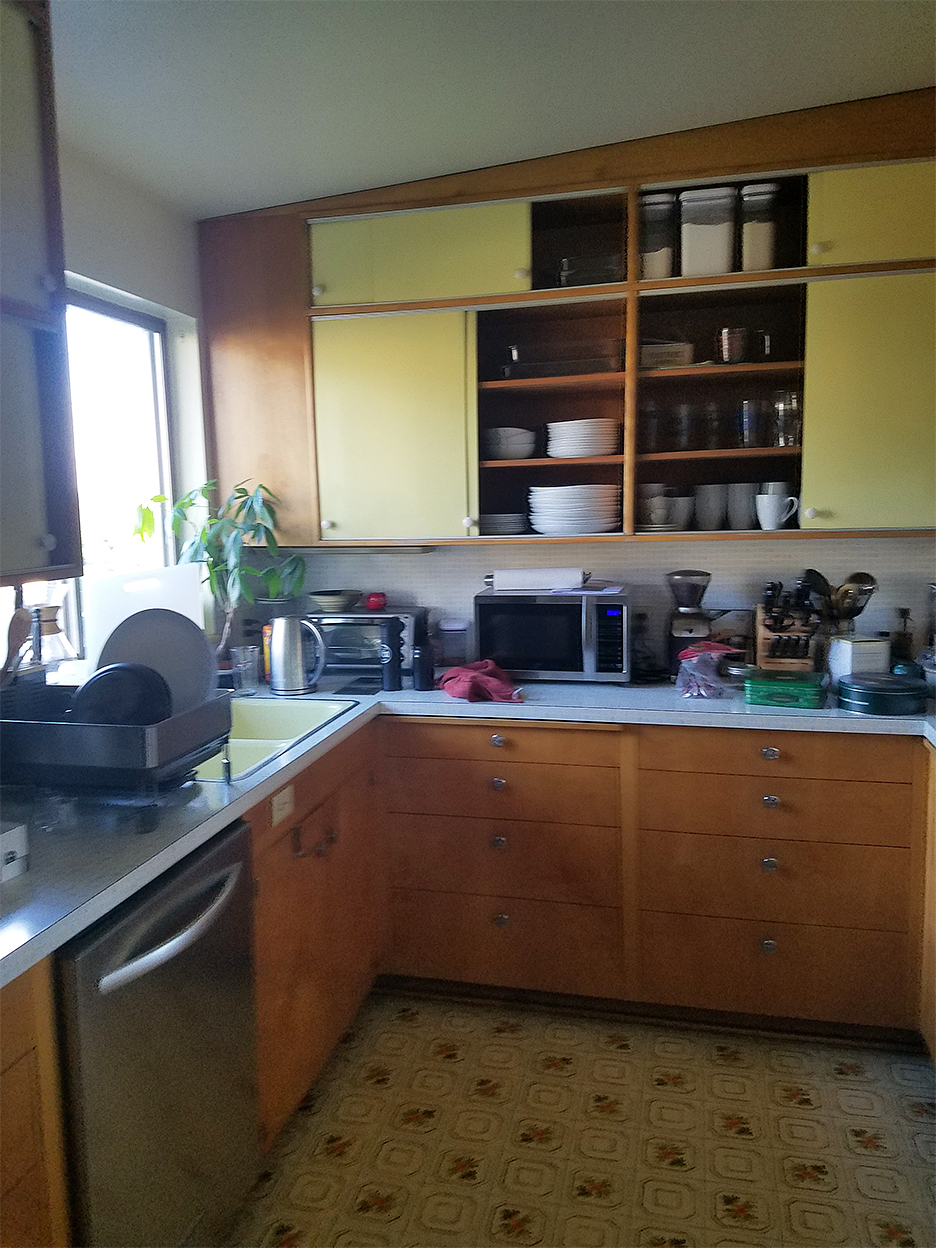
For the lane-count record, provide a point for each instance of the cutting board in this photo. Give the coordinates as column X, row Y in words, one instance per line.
column 108, row 601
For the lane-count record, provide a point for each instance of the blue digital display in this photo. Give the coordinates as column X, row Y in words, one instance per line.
column 612, row 610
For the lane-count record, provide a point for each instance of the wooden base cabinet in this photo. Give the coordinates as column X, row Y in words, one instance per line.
column 506, row 854
column 783, row 892
column 33, row 1203
column 319, row 930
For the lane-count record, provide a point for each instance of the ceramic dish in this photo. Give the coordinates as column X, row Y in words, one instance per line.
column 122, row 693
column 171, row 644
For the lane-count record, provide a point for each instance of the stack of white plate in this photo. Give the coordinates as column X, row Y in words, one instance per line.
column 502, row 523
column 569, row 439
column 566, row 510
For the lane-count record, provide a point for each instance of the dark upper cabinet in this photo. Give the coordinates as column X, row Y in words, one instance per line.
column 39, row 531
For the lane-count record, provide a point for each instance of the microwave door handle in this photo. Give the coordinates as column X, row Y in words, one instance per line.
column 589, row 642
column 164, row 952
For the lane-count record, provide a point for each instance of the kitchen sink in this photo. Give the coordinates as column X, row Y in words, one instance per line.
column 262, row 728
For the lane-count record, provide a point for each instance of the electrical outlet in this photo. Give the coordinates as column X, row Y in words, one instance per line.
column 282, row 805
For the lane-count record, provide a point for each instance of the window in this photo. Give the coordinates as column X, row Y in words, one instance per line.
column 116, row 362
column 118, row 394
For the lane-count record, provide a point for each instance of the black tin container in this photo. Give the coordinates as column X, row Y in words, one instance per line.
column 882, row 695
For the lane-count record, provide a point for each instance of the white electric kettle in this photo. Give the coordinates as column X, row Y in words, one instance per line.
column 289, row 673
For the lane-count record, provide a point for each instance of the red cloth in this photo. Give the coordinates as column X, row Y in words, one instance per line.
column 479, row 682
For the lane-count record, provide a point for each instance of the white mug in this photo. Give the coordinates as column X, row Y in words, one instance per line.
column 656, row 510
column 773, row 510
column 741, row 504
column 711, row 502
column 681, row 511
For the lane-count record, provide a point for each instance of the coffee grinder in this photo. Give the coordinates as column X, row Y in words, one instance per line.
column 688, row 622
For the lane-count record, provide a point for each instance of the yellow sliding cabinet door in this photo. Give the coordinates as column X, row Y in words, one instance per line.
column 439, row 253
column 394, row 402
column 858, row 216
column 869, row 407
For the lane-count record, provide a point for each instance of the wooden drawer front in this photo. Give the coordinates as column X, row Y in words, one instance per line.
column 494, row 857
column 19, row 1116
column 850, row 811
column 540, row 945
column 814, row 755
column 736, row 877
column 530, row 791
column 17, row 1020
column 591, row 747
column 24, row 1213
column 834, row 974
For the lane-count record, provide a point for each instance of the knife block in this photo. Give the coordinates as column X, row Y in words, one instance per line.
column 767, row 637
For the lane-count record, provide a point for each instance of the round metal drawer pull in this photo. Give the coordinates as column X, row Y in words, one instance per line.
column 498, row 783
column 497, row 739
column 770, row 752
column 501, row 919
column 769, row 946
column 771, row 802
column 499, row 842
column 770, row 864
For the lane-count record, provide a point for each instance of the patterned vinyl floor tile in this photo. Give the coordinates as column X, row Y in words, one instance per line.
column 441, row 1125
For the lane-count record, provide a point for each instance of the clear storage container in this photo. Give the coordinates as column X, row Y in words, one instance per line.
column 657, row 222
column 707, row 230
column 758, row 226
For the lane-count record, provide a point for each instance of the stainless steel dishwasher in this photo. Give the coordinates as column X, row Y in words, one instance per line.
column 160, row 1056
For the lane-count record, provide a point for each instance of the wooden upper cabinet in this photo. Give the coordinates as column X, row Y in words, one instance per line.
column 25, row 262
column 859, row 216
column 39, row 530
column 394, row 421
column 869, row 441
column 434, row 254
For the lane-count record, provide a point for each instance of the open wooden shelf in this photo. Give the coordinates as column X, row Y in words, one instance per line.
column 582, row 381
column 745, row 452
column 723, row 370
column 552, row 461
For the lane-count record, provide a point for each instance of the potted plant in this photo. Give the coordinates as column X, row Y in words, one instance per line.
column 223, row 536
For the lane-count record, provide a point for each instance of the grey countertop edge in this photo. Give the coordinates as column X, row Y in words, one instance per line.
column 94, row 871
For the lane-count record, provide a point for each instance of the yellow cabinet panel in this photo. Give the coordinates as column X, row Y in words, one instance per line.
column 869, row 439
column 391, row 424
column 439, row 253
column 858, row 216
column 343, row 261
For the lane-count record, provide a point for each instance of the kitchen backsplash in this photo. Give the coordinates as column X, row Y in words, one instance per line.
column 446, row 578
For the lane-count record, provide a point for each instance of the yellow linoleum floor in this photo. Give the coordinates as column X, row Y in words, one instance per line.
column 472, row 1125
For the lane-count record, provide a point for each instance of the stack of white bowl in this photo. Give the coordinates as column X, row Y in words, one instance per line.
column 569, row 439
column 566, row 510
column 502, row 523
column 508, row 443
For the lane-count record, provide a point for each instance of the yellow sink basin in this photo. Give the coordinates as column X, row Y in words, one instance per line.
column 269, row 719
column 262, row 728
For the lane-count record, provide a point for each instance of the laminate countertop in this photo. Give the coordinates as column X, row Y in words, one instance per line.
column 87, row 855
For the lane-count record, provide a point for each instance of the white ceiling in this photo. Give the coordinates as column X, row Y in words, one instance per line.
column 219, row 106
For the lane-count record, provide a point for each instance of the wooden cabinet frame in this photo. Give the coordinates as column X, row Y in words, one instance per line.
column 256, row 277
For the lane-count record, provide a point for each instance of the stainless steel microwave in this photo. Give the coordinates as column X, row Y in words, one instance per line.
column 572, row 635
column 353, row 637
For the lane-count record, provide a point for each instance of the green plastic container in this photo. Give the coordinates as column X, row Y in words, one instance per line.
column 799, row 689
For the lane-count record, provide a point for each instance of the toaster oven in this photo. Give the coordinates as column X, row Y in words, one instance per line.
column 352, row 638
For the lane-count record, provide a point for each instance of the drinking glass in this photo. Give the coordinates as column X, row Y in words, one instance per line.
column 787, row 418
column 246, row 670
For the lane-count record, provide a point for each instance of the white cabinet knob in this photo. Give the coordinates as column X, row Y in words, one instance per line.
column 327, row 524
column 810, row 513
column 469, row 522
column 521, row 272
column 819, row 249
column 48, row 283
column 48, row 541
column 317, row 291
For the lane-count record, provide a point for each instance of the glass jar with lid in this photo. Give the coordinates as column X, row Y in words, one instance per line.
column 707, row 230
column 758, row 226
column 657, row 222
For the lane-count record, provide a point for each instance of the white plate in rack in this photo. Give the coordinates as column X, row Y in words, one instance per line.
column 172, row 645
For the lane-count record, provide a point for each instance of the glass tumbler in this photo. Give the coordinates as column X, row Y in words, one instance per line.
column 245, row 670
column 787, row 418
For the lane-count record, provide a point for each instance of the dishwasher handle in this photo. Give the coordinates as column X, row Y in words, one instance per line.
column 171, row 948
